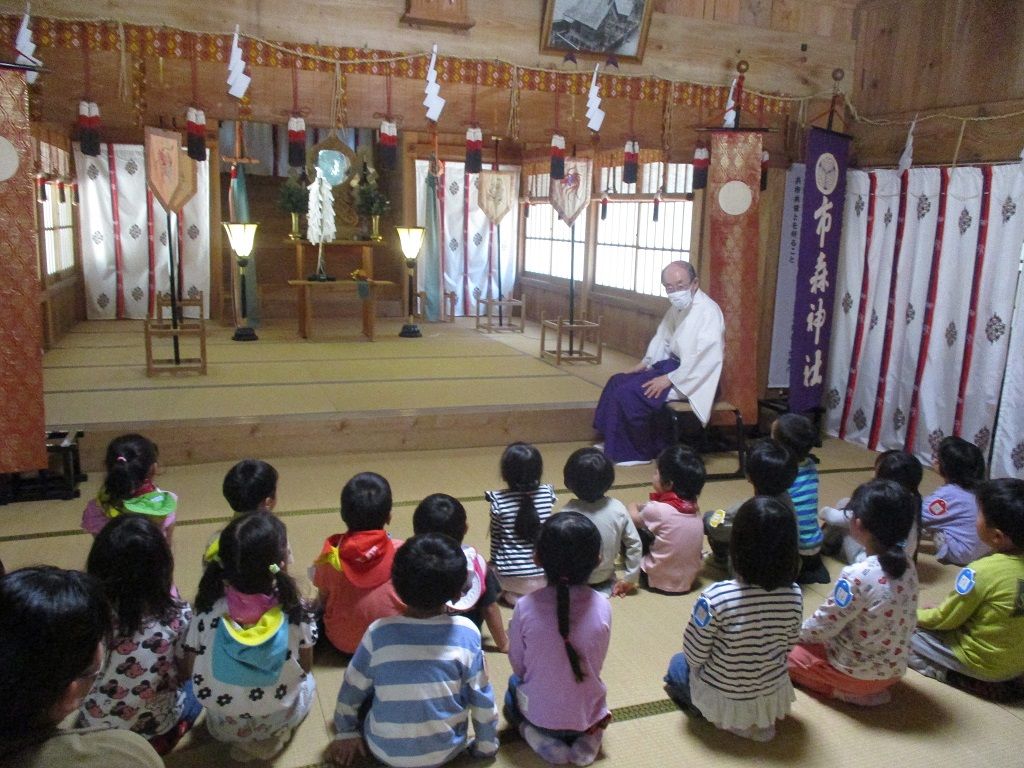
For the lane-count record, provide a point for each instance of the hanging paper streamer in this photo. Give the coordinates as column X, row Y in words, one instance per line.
column 474, row 150
column 321, row 210
column 433, row 101
column 388, row 141
column 557, row 157
column 907, row 158
column 735, row 100
column 595, row 115
column 26, row 49
column 631, row 162
column 195, row 124
column 764, row 170
column 89, row 128
column 701, row 161
column 296, row 142
column 238, row 81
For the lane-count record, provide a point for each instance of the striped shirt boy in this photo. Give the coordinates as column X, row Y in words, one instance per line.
column 425, row 679
column 804, row 493
column 510, row 554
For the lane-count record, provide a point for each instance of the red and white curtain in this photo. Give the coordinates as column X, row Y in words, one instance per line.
column 469, row 243
column 125, row 236
column 926, row 290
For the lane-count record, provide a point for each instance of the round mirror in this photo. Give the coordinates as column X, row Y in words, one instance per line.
column 8, row 159
column 735, row 197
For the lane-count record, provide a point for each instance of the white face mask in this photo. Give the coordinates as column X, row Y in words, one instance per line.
column 681, row 299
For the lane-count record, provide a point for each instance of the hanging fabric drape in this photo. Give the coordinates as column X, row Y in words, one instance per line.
column 124, row 238
column 428, row 275
column 469, row 251
column 927, row 281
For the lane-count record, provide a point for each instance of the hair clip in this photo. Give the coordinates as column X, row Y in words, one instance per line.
column 275, row 568
column 902, row 544
column 121, row 460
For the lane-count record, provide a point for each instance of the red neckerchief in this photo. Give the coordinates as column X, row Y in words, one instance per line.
column 670, row 498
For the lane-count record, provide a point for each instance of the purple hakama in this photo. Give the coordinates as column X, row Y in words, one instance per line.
column 627, row 418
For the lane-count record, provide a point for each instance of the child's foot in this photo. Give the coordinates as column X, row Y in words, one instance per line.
column 547, row 747
column 864, row 700
column 584, row 750
column 754, row 733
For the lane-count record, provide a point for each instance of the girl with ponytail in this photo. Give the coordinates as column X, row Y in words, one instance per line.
column 516, row 517
column 855, row 647
column 128, row 488
column 558, row 639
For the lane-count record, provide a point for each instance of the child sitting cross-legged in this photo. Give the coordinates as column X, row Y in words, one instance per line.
column 353, row 571
column 589, row 474
column 669, row 524
column 417, row 679
column 948, row 515
column 441, row 513
column 854, row 648
column 975, row 639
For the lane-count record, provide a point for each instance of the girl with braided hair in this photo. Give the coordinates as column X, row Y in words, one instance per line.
column 558, row 639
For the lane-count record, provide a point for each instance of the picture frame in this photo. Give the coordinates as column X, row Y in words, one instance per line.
column 596, row 28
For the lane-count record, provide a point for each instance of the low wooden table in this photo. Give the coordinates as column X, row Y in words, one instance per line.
column 306, row 303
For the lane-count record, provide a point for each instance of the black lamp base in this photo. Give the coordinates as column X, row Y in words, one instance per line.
column 245, row 333
column 410, row 331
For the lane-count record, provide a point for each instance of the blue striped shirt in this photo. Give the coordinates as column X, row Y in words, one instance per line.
column 804, row 493
column 425, row 679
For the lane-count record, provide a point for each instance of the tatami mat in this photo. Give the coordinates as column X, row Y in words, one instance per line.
column 96, row 375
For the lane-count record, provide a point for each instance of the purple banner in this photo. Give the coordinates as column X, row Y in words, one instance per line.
column 820, row 229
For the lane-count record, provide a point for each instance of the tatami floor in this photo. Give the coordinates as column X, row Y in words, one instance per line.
column 927, row 723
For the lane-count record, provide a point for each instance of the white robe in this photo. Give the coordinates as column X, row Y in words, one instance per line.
column 696, row 336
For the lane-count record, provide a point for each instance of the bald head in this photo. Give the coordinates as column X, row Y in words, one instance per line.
column 678, row 276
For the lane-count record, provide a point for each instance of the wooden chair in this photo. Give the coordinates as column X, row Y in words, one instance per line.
column 723, row 414
column 188, row 328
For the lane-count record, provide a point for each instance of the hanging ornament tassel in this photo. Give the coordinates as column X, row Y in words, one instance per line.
column 40, row 187
column 701, row 161
column 74, row 193
column 764, row 170
column 631, row 162
column 557, row 156
column 196, row 134
column 474, row 149
column 62, row 194
column 657, row 205
column 89, row 128
column 604, row 206
column 526, row 204
column 388, row 144
column 296, row 142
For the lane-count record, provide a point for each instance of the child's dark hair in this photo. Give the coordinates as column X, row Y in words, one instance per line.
column 252, row 550
column 51, row 622
column 960, row 462
column 366, row 502
column 796, row 433
column 568, row 549
column 132, row 560
column 771, row 467
column 429, row 570
column 763, row 548
column 887, row 511
column 681, row 467
column 589, row 474
column 522, row 468
column 440, row 513
column 129, row 461
column 248, row 484
column 1002, row 506
column 906, row 470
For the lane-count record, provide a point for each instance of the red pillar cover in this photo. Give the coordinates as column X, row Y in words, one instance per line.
column 22, row 423
column 733, row 194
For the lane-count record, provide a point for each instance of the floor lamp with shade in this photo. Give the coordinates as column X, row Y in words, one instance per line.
column 242, row 237
column 412, row 241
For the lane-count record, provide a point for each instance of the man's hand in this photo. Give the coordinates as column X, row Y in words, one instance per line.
column 656, row 386
column 344, row 751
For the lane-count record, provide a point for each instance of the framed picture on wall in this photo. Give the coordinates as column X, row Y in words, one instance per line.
column 597, row 28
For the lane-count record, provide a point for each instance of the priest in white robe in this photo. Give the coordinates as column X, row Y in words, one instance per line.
column 683, row 361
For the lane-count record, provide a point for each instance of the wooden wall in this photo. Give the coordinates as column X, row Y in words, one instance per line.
column 963, row 58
